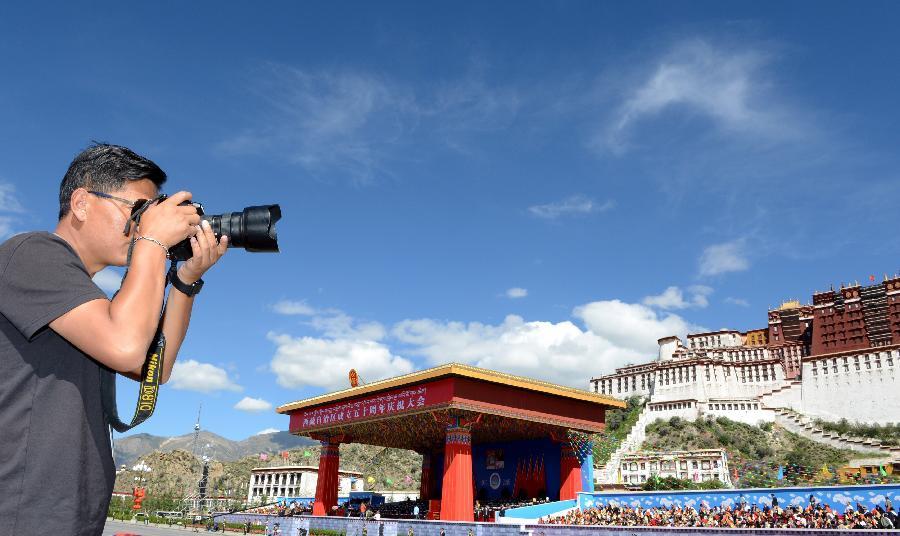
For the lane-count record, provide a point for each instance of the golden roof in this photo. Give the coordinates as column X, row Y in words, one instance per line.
column 456, row 369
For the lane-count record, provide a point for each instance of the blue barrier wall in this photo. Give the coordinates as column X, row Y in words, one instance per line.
column 354, row 527
column 838, row 497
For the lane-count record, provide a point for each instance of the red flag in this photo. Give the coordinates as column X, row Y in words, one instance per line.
column 285, row 455
column 871, row 278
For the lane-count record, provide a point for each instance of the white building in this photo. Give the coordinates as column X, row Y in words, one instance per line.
column 696, row 465
column 295, row 482
column 714, row 373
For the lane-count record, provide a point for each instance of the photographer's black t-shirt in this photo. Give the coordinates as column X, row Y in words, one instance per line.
column 56, row 467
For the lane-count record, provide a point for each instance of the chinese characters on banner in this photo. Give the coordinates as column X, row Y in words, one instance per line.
column 386, row 404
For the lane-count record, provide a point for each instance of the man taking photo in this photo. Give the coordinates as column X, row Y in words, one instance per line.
column 58, row 332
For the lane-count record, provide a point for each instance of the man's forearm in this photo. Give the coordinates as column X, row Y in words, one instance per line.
column 135, row 309
column 176, row 319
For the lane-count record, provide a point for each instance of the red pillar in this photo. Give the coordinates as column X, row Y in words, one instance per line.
column 570, row 473
column 457, row 498
column 327, row 483
column 425, row 484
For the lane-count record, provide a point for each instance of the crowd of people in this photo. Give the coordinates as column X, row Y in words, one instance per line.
column 282, row 509
column 813, row 516
column 491, row 510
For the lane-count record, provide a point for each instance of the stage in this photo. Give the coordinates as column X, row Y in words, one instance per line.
column 482, row 435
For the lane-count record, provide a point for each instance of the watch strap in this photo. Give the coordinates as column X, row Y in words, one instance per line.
column 190, row 290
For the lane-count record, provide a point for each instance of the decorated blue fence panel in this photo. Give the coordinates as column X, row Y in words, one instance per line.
column 838, row 497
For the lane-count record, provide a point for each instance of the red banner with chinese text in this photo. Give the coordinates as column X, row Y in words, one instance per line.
column 388, row 403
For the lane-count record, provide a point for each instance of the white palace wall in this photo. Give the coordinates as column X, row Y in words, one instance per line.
column 860, row 386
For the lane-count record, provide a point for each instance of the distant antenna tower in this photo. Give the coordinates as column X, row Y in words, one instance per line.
column 189, row 497
column 196, row 432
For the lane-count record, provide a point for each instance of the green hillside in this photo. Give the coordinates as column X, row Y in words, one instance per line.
column 618, row 424
column 754, row 452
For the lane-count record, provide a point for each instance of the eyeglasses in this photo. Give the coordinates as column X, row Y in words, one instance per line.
column 138, row 207
column 135, row 205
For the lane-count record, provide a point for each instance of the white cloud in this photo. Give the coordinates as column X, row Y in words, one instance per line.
column 673, row 298
column 617, row 333
column 8, row 200
column 10, row 205
column 632, row 325
column 289, row 307
column 723, row 258
column 191, row 375
column 318, row 362
column 253, row 405
column 342, row 326
column 613, row 334
column 326, row 120
column 6, row 226
column 358, row 124
column 108, row 279
column 471, row 105
column 268, row 431
column 737, row 301
column 725, row 85
column 516, row 292
column 574, row 205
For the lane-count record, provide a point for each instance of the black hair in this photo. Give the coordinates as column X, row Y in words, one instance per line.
column 106, row 168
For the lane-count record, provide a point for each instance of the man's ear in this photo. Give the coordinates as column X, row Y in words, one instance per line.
column 78, row 204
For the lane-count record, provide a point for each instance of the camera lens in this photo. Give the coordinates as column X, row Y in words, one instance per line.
column 252, row 229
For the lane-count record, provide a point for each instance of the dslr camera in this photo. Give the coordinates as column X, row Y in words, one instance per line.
column 252, row 229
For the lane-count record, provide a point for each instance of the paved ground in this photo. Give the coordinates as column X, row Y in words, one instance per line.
column 118, row 527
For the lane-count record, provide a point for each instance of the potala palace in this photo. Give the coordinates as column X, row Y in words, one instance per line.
column 837, row 358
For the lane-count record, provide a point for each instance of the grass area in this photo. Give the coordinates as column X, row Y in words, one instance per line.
column 888, row 434
column 655, row 483
column 754, row 452
column 618, row 424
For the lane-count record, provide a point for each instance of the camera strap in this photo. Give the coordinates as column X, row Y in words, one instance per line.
column 148, row 393
column 153, row 363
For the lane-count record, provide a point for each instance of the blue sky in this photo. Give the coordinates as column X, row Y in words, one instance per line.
column 544, row 188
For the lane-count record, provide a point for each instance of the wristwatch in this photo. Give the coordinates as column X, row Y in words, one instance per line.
column 191, row 290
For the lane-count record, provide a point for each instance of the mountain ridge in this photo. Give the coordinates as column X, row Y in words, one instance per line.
column 129, row 449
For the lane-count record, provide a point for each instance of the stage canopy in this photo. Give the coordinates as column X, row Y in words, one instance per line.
column 445, row 410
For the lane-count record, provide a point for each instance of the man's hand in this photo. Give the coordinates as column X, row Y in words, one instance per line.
column 169, row 222
column 206, row 252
